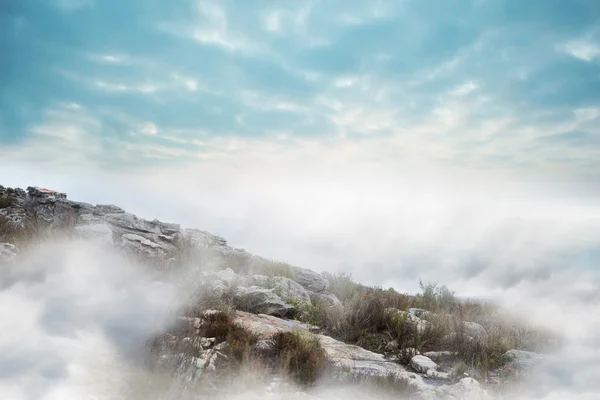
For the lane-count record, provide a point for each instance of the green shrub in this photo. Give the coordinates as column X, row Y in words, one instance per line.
column 300, row 355
column 6, row 201
column 436, row 298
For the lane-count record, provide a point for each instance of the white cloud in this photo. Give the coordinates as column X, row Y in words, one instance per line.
column 582, row 49
column 464, row 89
column 273, row 21
column 149, row 128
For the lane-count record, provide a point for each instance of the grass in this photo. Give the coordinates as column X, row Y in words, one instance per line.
column 272, row 268
column 183, row 342
column 301, row 356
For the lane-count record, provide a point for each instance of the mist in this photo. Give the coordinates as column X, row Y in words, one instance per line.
column 78, row 312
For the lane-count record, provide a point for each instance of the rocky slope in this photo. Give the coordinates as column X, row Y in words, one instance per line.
column 269, row 293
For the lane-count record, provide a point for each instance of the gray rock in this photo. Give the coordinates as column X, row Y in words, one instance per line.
column 285, row 288
column 311, row 280
column 475, row 330
column 130, row 223
column 260, row 301
column 138, row 244
column 466, row 389
column 422, row 364
column 95, row 231
column 328, row 298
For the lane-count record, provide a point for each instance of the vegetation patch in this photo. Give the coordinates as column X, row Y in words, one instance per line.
column 272, row 268
column 301, row 356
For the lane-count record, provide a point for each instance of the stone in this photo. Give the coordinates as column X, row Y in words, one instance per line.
column 422, row 364
column 465, row 389
column 311, row 280
column 100, row 232
column 475, row 330
column 329, row 299
column 260, row 301
column 139, row 244
column 285, row 288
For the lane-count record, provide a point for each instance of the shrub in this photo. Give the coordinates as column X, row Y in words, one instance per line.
column 342, row 285
column 436, row 298
column 300, row 355
column 6, row 201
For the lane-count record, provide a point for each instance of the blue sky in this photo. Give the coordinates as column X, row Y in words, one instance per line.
column 504, row 85
column 381, row 136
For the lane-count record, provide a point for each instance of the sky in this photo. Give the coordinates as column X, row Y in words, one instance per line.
column 454, row 141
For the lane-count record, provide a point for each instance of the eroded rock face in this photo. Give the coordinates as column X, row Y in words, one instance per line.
column 285, row 288
column 260, row 301
column 311, row 280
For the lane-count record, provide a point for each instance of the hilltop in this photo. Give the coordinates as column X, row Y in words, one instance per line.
column 289, row 321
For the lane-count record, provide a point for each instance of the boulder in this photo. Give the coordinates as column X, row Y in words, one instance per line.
column 475, row 330
column 285, row 288
column 311, row 280
column 465, row 389
column 422, row 364
column 260, row 301
column 329, row 299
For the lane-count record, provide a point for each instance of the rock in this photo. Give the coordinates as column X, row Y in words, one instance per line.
column 420, row 313
column 329, row 299
column 260, row 301
column 522, row 359
column 353, row 361
column 466, row 389
column 475, row 330
column 285, row 288
column 265, row 326
column 138, row 244
column 311, row 280
column 422, row 364
column 8, row 252
column 99, row 231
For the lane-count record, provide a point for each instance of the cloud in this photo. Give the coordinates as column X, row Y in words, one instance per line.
column 583, row 50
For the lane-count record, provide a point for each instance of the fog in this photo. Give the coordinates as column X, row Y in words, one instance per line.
column 73, row 315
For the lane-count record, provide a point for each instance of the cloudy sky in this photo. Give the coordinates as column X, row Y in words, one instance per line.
column 393, row 139
column 456, row 141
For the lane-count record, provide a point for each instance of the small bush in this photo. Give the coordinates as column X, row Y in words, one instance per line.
column 342, row 285
column 436, row 298
column 6, row 201
column 301, row 356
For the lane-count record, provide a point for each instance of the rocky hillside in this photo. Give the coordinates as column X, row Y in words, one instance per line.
column 312, row 326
